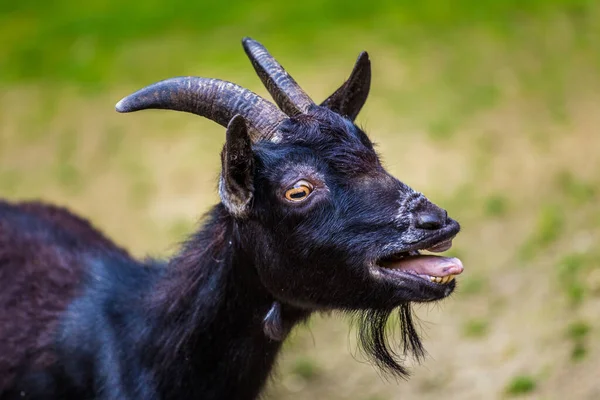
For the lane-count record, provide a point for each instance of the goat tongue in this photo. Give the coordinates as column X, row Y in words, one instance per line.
column 428, row 265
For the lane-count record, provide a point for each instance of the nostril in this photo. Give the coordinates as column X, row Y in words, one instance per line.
column 430, row 220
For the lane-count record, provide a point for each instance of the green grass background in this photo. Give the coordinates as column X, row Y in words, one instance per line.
column 488, row 107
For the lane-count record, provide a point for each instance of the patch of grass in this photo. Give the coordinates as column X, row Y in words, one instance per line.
column 475, row 328
column 570, row 270
column 578, row 330
column 520, row 385
column 495, row 206
column 575, row 292
column 579, row 352
column 571, row 265
column 305, row 368
column 549, row 225
column 94, row 43
column 577, row 190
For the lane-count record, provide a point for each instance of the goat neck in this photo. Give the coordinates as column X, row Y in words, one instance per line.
column 208, row 312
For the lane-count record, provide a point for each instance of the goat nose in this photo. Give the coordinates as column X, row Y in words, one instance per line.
column 430, row 220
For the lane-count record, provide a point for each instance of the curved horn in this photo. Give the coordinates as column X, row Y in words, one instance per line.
column 349, row 99
column 211, row 98
column 285, row 91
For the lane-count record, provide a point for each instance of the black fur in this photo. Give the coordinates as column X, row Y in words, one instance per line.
column 194, row 326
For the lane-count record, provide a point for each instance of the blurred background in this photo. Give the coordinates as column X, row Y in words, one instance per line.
column 490, row 108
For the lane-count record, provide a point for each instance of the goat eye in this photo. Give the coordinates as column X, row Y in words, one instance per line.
column 299, row 191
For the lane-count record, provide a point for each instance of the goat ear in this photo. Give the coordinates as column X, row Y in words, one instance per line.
column 236, row 186
column 349, row 99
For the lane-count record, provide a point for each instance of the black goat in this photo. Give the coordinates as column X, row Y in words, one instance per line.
column 309, row 221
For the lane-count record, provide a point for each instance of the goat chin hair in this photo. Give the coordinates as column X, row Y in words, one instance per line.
column 378, row 341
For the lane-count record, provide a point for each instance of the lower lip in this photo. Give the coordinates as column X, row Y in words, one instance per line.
column 441, row 247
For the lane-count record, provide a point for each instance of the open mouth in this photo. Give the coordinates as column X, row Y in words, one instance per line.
column 435, row 269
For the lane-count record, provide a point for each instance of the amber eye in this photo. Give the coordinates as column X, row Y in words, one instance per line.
column 299, row 191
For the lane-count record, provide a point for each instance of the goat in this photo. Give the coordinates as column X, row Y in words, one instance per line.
column 309, row 221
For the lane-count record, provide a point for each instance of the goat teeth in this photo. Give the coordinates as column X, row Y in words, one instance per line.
column 442, row 279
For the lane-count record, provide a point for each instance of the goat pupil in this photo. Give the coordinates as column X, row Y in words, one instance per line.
column 298, row 195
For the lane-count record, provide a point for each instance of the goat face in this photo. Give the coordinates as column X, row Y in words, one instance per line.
column 324, row 224
column 330, row 228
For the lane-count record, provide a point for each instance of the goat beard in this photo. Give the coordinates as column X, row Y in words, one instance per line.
column 377, row 341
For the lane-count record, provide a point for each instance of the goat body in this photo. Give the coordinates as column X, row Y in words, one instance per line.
column 189, row 330
column 309, row 220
